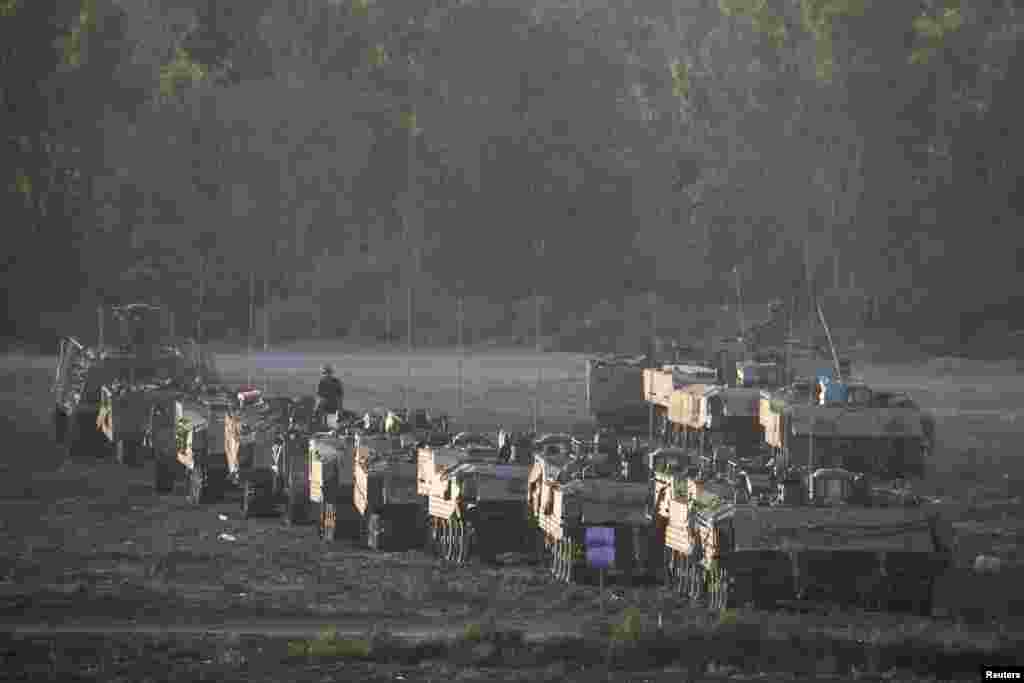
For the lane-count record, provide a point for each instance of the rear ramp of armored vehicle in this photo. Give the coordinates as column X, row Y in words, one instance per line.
column 332, row 476
column 384, row 490
column 591, row 525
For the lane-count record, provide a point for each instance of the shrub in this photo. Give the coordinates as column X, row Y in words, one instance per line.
column 728, row 617
column 629, row 630
column 328, row 644
column 473, row 633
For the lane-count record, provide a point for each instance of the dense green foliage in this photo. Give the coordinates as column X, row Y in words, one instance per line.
column 164, row 148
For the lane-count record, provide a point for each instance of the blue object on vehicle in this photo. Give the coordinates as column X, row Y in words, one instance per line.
column 596, row 536
column 836, row 392
column 600, row 546
column 601, row 557
column 506, row 472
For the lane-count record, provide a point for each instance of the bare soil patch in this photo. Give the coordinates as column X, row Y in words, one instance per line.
column 91, row 539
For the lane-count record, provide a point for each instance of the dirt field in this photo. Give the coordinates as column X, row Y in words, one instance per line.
column 90, row 546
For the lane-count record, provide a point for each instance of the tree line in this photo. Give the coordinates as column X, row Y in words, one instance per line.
column 168, row 149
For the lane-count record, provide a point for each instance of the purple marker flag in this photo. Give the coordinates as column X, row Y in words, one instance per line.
column 600, row 546
column 506, row 472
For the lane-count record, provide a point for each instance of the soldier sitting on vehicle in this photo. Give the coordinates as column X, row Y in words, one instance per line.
column 329, row 395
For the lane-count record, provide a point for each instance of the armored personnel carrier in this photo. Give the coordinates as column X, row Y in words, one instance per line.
column 254, row 447
column 190, row 433
column 825, row 537
column 331, row 477
column 615, row 392
column 384, row 494
column 433, row 461
column 210, row 469
column 660, row 383
column 474, row 504
column 848, row 425
column 126, row 400
column 103, row 393
column 720, row 423
column 589, row 524
column 77, row 395
column 639, row 463
column 292, row 472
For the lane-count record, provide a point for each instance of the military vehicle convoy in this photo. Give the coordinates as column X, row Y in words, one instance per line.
column 756, row 490
column 825, row 537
